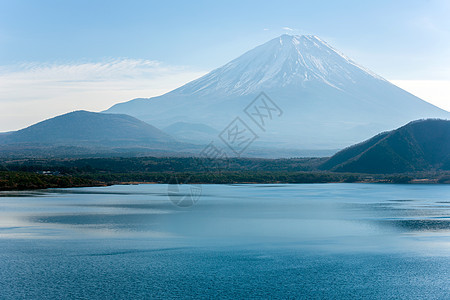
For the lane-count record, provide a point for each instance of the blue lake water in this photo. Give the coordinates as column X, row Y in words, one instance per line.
column 239, row 241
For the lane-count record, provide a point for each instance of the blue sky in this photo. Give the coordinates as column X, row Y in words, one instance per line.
column 144, row 48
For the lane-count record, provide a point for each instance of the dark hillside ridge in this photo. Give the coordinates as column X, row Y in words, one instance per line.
column 421, row 145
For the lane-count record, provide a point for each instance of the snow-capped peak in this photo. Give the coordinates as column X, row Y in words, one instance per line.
column 328, row 100
column 288, row 60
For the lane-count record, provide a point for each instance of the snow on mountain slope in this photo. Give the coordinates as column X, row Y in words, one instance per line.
column 287, row 60
column 329, row 101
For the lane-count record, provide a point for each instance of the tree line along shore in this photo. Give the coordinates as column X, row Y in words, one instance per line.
column 27, row 174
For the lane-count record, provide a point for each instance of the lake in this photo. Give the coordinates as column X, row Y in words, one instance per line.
column 238, row 241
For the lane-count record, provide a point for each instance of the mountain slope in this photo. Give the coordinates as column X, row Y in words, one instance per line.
column 418, row 146
column 192, row 132
column 328, row 100
column 82, row 128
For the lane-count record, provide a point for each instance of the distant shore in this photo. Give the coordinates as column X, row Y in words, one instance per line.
column 16, row 181
column 42, row 173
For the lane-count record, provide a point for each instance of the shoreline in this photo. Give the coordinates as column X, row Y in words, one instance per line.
column 414, row 182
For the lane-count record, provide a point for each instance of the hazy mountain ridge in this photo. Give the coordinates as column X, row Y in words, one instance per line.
column 80, row 129
column 418, row 146
column 83, row 133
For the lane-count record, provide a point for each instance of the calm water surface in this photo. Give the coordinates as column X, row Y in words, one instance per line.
column 239, row 241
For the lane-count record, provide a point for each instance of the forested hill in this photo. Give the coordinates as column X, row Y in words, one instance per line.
column 422, row 145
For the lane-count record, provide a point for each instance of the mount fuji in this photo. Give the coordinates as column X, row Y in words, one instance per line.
column 328, row 100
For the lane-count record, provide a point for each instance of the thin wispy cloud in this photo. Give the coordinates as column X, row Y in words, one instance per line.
column 288, row 29
column 30, row 92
